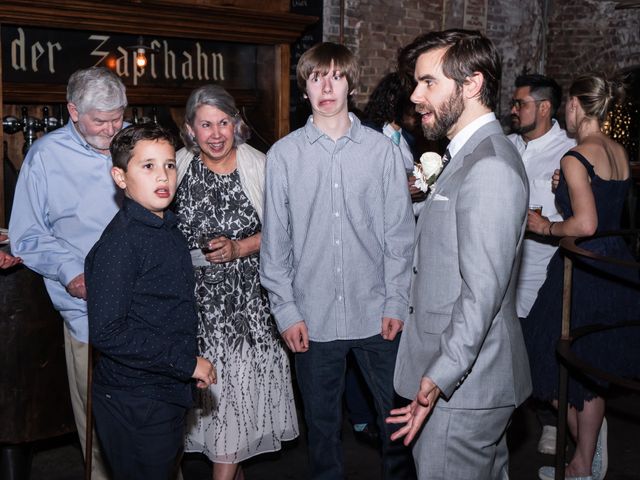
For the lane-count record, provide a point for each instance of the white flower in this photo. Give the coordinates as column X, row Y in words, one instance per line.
column 428, row 170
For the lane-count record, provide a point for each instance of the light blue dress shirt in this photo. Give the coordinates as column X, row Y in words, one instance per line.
column 337, row 234
column 64, row 199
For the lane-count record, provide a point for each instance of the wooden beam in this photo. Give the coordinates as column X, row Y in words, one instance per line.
column 159, row 17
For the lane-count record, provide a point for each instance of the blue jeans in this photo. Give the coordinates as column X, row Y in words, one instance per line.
column 321, row 376
column 357, row 398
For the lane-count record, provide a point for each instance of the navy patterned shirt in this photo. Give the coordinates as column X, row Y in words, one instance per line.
column 142, row 311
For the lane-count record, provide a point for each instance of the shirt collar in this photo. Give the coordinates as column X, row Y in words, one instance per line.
column 354, row 133
column 388, row 130
column 541, row 143
column 136, row 211
column 465, row 134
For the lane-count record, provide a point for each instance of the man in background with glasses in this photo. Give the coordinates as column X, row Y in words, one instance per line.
column 541, row 144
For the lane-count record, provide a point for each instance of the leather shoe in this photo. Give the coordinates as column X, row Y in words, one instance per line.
column 549, row 473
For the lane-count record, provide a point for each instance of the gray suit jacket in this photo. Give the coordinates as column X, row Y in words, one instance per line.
column 463, row 332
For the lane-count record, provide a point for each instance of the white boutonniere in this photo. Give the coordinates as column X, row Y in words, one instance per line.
column 427, row 171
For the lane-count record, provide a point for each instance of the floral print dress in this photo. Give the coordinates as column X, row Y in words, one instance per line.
column 251, row 409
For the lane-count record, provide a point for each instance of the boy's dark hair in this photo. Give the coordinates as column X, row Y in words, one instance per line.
column 467, row 51
column 388, row 101
column 126, row 140
column 319, row 57
column 542, row 88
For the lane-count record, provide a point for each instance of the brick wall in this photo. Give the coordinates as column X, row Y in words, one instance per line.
column 582, row 35
column 517, row 30
column 375, row 29
column 590, row 35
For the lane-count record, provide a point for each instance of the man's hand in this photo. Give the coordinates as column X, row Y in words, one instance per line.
column 417, row 195
column 77, row 288
column 555, row 179
column 8, row 261
column 391, row 327
column 415, row 414
column 205, row 373
column 297, row 337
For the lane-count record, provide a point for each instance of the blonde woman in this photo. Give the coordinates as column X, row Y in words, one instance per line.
column 594, row 180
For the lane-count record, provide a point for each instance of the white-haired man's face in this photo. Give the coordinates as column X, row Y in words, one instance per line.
column 97, row 127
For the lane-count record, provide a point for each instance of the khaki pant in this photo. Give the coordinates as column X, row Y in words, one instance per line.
column 77, row 356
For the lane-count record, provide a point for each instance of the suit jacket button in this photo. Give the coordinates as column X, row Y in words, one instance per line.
column 415, row 271
column 410, row 310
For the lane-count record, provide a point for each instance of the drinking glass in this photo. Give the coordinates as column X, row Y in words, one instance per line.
column 536, row 208
column 214, row 272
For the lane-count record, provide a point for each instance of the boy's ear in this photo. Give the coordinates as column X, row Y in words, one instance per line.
column 118, row 176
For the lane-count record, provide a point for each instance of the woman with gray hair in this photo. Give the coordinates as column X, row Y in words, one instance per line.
column 219, row 206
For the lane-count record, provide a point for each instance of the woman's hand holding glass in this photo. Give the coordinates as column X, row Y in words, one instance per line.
column 222, row 250
column 537, row 223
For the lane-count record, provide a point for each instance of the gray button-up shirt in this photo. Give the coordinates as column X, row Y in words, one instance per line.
column 337, row 236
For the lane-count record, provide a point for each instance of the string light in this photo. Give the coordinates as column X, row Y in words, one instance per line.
column 621, row 124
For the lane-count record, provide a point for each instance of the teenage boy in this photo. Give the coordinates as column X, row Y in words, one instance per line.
column 336, row 252
column 142, row 314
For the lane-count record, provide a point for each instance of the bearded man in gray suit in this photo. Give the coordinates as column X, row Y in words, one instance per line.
column 462, row 358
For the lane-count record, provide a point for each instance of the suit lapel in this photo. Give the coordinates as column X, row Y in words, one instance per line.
column 455, row 164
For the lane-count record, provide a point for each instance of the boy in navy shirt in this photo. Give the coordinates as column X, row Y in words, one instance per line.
column 142, row 314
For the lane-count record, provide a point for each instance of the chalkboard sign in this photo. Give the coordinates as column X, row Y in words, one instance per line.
column 37, row 55
column 299, row 107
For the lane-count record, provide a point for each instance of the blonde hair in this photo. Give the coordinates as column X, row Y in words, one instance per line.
column 596, row 94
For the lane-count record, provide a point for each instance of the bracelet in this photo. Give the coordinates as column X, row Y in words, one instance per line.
column 551, row 224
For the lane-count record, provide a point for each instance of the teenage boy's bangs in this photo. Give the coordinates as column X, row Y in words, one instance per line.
column 318, row 59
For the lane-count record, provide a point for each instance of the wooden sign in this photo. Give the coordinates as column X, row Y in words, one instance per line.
column 50, row 56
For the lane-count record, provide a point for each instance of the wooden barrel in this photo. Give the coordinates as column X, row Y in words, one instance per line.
column 34, row 393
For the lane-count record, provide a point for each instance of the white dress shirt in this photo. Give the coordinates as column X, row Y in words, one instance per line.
column 541, row 157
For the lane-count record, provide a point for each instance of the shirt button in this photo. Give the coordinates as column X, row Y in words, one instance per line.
column 338, row 269
column 336, row 185
column 337, row 214
column 415, row 270
column 340, row 297
column 410, row 310
column 337, row 242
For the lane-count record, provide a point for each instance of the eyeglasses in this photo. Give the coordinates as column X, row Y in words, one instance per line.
column 517, row 103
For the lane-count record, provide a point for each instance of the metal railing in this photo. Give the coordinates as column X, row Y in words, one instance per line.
column 568, row 358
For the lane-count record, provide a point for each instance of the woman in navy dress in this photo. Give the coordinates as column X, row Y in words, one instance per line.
column 594, row 180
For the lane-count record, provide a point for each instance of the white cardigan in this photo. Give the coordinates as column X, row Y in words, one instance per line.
column 250, row 164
